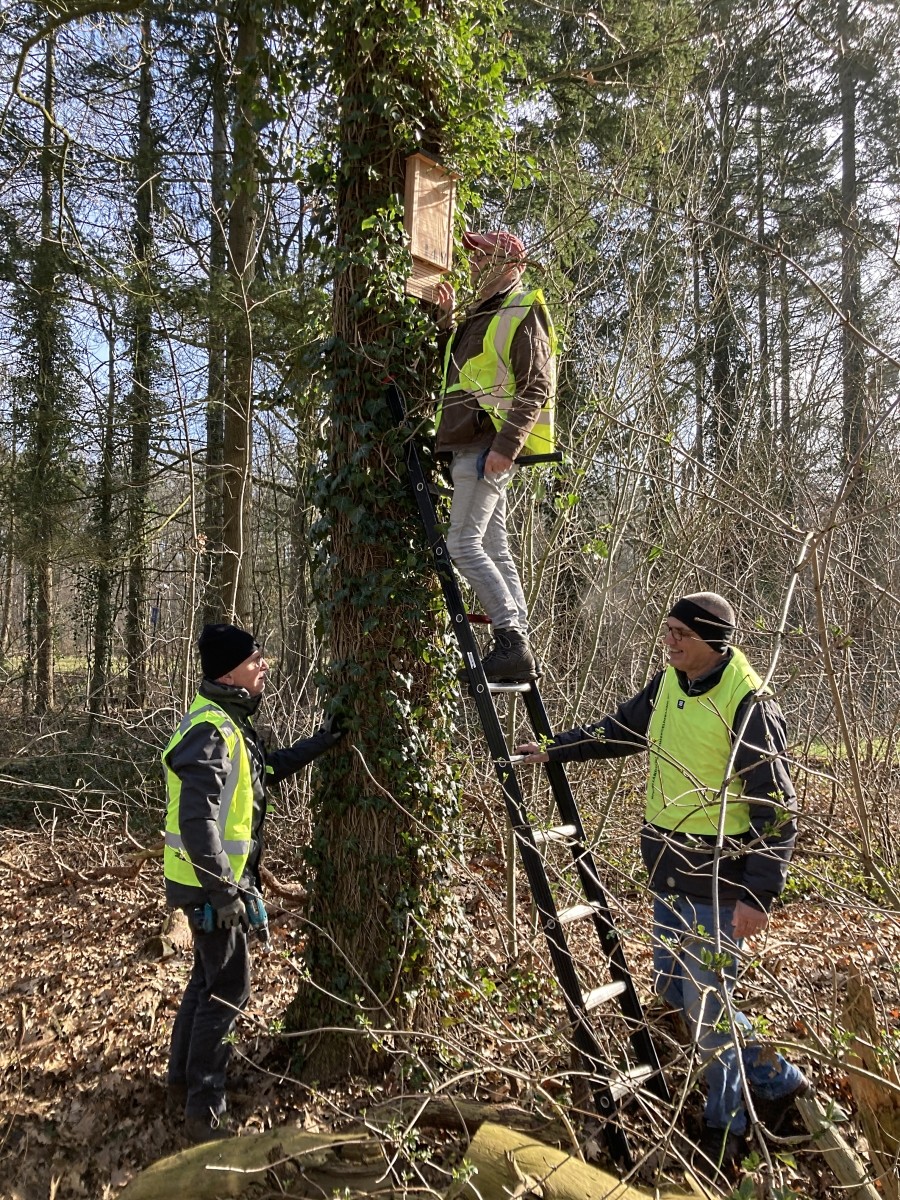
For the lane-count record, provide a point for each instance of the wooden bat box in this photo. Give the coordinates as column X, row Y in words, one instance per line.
column 429, row 203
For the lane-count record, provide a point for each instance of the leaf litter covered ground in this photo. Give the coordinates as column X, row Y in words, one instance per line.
column 87, row 1005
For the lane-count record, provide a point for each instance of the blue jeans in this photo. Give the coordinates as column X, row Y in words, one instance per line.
column 478, row 544
column 686, row 978
column 198, row 1056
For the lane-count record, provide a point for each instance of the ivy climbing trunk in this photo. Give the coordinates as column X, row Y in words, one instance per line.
column 384, row 804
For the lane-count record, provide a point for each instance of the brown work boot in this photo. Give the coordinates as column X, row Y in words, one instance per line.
column 511, row 658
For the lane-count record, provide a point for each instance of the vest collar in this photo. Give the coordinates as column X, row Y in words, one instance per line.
column 236, row 701
column 493, row 303
column 705, row 683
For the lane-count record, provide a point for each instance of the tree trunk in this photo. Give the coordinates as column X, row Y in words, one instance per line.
column 721, row 317
column 853, row 368
column 699, row 355
column 384, row 803
column 104, row 546
column 786, row 419
column 139, row 403
column 238, row 425
column 44, row 432
column 766, row 413
column 213, row 605
column 876, row 1088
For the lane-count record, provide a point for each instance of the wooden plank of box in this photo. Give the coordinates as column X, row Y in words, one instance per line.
column 429, row 204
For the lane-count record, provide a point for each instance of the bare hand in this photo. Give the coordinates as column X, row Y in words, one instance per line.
column 748, row 920
column 496, row 464
column 445, row 299
column 532, row 753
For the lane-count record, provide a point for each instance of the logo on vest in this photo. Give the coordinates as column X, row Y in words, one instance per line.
column 681, row 704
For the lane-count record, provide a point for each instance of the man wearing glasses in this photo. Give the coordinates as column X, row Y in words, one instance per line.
column 699, row 718
column 495, row 415
column 217, row 770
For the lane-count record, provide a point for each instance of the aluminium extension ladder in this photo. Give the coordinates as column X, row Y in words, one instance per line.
column 607, row 1084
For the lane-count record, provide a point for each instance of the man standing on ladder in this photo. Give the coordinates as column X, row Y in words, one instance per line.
column 495, row 415
column 688, row 718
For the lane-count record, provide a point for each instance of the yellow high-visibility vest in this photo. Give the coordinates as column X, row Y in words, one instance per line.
column 488, row 376
column 690, row 743
column 235, row 818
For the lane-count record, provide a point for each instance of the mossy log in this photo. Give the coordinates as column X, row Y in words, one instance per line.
column 507, row 1164
column 308, row 1164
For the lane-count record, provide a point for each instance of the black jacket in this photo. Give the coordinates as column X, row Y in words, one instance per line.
column 201, row 762
column 753, row 867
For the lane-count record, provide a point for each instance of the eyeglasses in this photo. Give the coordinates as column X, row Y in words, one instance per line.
column 677, row 634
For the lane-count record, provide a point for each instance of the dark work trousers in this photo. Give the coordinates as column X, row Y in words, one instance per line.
column 218, row 988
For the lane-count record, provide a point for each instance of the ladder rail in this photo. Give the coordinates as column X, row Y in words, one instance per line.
column 600, row 1075
column 604, row 924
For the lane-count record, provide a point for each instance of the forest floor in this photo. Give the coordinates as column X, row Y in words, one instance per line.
column 87, row 1003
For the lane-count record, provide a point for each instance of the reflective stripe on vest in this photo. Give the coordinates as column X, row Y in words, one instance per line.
column 690, row 740
column 235, row 814
column 489, row 378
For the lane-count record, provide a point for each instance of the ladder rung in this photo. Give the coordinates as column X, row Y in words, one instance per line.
column 576, row 913
column 600, row 995
column 509, row 687
column 560, row 833
column 629, row 1081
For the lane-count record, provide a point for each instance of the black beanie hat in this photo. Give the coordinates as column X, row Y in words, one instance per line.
column 224, row 647
column 709, row 615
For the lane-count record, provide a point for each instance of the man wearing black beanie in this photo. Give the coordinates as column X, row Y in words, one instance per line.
column 706, row 705
column 217, row 769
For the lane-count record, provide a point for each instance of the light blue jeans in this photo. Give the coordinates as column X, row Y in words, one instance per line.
column 478, row 544
column 685, row 976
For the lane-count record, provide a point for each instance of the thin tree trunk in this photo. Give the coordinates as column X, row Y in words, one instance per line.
column 238, row 427
column 699, row 354
column 140, row 398
column 722, row 320
column 42, row 590
column 6, row 605
column 766, row 413
column 213, row 497
column 784, row 357
column 98, row 686
column 852, row 352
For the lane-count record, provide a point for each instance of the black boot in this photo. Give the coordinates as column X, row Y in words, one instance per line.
column 511, row 658
column 780, row 1116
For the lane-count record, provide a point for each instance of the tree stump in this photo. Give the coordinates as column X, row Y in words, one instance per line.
column 877, row 1092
